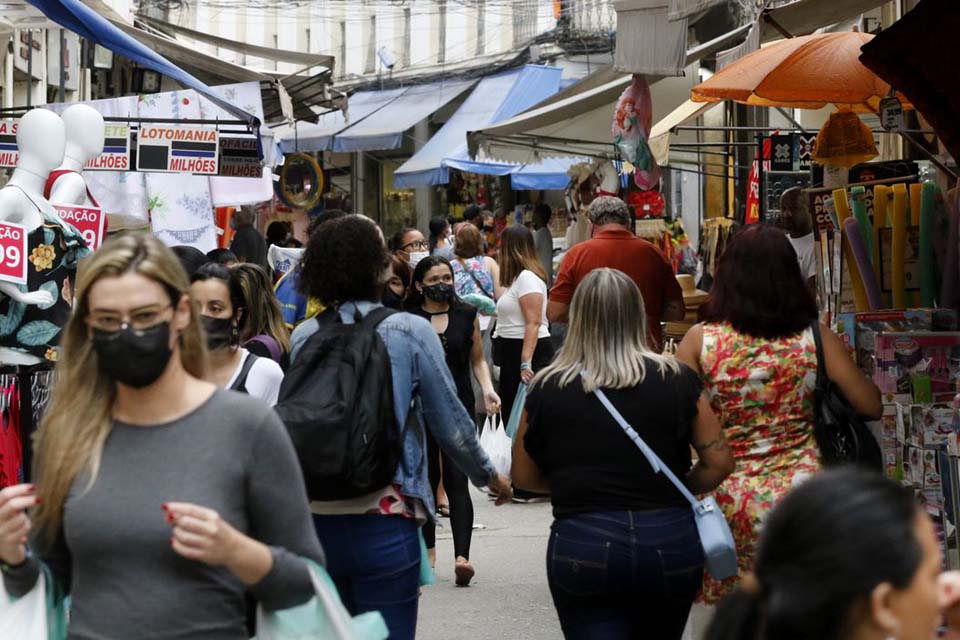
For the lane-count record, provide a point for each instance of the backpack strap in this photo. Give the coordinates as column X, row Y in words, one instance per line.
column 273, row 347
column 240, row 384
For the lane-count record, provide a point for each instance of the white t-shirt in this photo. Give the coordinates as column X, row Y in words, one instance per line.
column 264, row 379
column 806, row 247
column 510, row 322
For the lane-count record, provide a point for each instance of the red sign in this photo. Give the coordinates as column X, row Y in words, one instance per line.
column 753, row 184
column 13, row 253
column 89, row 221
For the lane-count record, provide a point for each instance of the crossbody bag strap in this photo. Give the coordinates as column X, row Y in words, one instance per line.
column 654, row 460
column 821, row 367
column 475, row 279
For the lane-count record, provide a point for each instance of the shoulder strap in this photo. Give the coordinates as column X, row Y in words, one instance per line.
column 273, row 347
column 470, row 273
column 648, row 453
column 821, row 367
column 240, row 384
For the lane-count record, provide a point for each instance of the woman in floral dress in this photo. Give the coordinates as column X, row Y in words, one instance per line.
column 756, row 355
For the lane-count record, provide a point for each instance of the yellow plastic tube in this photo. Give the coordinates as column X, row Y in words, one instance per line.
column 898, row 249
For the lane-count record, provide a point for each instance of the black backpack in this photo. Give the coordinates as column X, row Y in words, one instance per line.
column 337, row 404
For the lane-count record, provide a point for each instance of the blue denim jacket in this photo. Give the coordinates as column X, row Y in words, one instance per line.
column 421, row 382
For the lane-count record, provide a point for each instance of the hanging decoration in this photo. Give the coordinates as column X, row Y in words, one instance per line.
column 844, row 141
column 631, row 130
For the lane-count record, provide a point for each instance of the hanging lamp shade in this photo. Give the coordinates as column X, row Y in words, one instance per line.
column 844, row 141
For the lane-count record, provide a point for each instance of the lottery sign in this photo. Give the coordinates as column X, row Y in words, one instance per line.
column 9, row 152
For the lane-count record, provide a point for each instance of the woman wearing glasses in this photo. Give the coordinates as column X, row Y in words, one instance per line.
column 150, row 481
column 410, row 246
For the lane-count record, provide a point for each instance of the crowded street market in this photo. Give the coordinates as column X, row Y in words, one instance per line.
column 477, row 319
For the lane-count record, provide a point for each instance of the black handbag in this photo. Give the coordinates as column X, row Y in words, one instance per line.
column 842, row 435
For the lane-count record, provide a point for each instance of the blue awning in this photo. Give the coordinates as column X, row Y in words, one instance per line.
column 85, row 22
column 377, row 119
column 549, row 174
column 495, row 98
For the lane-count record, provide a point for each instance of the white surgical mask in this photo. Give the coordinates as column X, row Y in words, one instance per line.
column 416, row 257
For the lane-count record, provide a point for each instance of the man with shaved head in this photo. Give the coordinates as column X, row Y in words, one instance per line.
column 798, row 224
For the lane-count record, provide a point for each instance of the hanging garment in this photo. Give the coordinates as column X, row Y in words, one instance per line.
column 11, row 443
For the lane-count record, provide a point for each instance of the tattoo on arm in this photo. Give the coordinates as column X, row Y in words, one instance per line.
column 719, row 444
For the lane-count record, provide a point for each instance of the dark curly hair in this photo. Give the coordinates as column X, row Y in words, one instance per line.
column 346, row 262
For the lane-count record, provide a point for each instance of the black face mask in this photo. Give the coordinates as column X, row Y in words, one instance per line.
column 391, row 299
column 134, row 358
column 221, row 332
column 440, row 292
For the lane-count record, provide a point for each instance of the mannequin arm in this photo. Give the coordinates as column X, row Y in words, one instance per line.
column 29, row 297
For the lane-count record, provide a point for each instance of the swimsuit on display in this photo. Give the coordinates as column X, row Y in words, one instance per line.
column 53, row 251
column 52, row 178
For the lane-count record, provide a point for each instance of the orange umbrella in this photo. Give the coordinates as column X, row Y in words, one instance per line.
column 808, row 72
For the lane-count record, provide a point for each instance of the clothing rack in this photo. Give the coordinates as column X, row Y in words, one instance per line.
column 24, row 396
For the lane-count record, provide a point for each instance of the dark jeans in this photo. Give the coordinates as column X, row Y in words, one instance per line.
column 625, row 574
column 510, row 351
column 375, row 563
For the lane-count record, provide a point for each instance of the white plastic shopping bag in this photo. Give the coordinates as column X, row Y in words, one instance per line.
column 497, row 444
column 25, row 618
column 321, row 618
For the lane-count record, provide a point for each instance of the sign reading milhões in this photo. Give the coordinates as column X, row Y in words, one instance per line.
column 116, row 150
column 239, row 157
column 9, row 152
column 174, row 149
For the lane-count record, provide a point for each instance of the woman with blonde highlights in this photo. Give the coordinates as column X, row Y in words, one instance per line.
column 151, row 482
column 624, row 557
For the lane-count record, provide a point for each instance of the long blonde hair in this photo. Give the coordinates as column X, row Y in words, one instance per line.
column 263, row 313
column 70, row 440
column 607, row 336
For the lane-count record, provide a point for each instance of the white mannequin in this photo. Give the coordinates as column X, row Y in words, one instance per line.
column 41, row 138
column 85, row 132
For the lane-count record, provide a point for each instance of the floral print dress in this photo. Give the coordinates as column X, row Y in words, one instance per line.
column 762, row 391
column 54, row 250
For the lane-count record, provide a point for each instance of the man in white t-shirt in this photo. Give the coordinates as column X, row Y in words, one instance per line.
column 798, row 225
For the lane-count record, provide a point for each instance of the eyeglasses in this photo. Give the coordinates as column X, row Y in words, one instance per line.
column 416, row 244
column 139, row 320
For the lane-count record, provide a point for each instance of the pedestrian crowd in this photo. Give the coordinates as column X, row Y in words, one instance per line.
column 212, row 425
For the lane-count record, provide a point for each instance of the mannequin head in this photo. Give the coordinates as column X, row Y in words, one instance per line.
column 84, row 132
column 41, row 137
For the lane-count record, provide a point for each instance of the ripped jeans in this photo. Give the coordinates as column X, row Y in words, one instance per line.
column 625, row 574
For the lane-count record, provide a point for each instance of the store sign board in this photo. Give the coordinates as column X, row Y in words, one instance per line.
column 13, row 253
column 116, row 150
column 89, row 221
column 9, row 152
column 240, row 157
column 177, row 149
column 782, row 153
column 804, row 151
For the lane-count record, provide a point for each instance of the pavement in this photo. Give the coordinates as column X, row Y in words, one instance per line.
column 508, row 597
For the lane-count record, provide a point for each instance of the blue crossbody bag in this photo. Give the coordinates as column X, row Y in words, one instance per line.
column 719, row 549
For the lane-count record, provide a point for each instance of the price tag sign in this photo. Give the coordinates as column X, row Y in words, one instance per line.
column 89, row 221
column 13, row 253
column 891, row 114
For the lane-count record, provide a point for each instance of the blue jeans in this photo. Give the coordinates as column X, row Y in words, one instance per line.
column 375, row 562
column 625, row 574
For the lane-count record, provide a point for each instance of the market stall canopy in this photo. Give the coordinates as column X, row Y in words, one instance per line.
column 807, row 72
column 576, row 121
column 495, row 98
column 87, row 23
column 662, row 131
column 374, row 120
column 912, row 56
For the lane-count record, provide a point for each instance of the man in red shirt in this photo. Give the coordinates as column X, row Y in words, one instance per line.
column 615, row 246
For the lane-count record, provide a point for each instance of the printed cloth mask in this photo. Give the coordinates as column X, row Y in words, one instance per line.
column 440, row 292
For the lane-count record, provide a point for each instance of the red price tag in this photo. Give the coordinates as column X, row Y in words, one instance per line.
column 13, row 253
column 89, row 221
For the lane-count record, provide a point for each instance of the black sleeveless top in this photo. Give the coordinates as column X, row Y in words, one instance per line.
column 457, row 343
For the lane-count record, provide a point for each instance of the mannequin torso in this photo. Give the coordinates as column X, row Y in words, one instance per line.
column 84, row 142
